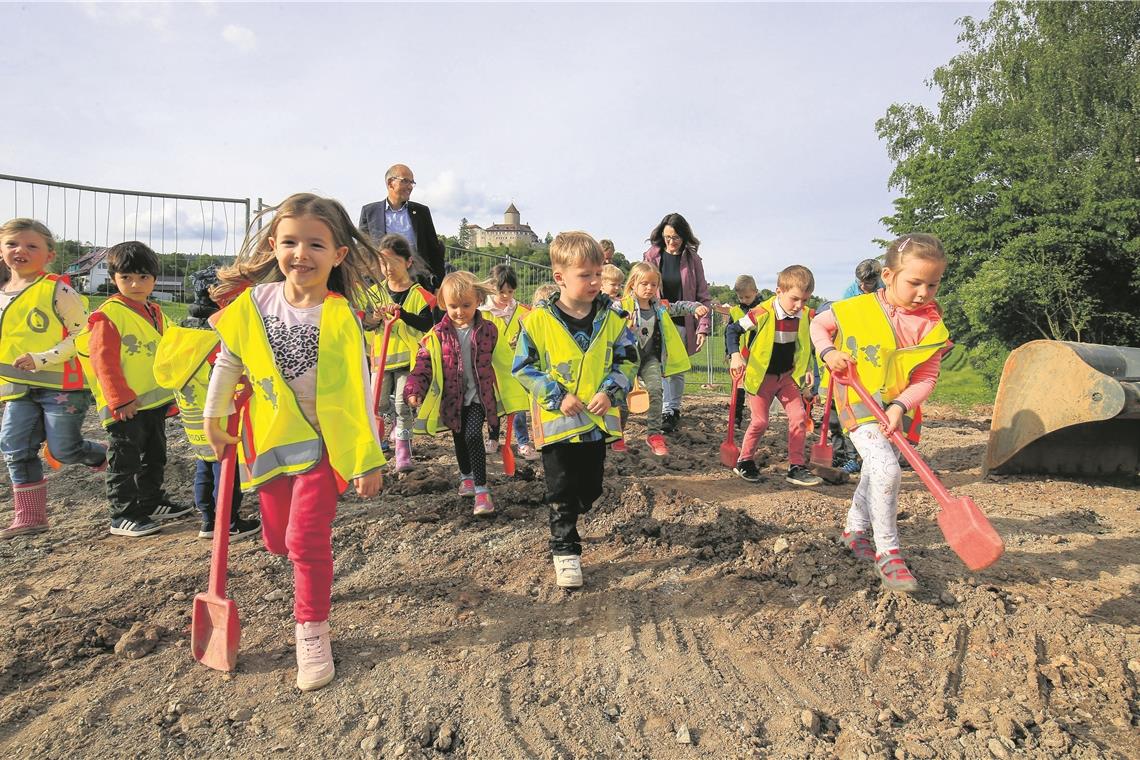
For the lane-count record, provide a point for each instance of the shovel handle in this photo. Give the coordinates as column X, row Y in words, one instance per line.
column 224, row 504
column 826, row 410
column 381, row 360
column 508, row 455
column 850, row 376
column 732, row 408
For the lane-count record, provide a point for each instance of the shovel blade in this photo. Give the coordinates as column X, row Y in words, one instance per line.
column 637, row 402
column 969, row 533
column 729, row 454
column 822, row 455
column 215, row 631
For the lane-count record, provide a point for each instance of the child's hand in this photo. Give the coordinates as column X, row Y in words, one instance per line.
column 571, row 405
column 837, row 361
column 390, row 312
column 369, row 485
column 217, row 436
column 414, row 401
column 25, row 362
column 700, row 311
column 127, row 411
column 736, row 365
column 894, row 417
column 599, row 404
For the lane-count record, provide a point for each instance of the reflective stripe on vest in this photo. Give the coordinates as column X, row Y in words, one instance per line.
column 181, row 365
column 138, row 344
column 405, row 339
column 866, row 333
column 674, row 357
column 30, row 324
column 581, row 373
column 277, row 438
column 736, row 313
column 761, row 348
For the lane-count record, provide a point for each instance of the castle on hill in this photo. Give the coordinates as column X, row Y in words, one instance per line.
column 511, row 231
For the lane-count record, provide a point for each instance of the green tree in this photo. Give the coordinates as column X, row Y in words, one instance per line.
column 1029, row 172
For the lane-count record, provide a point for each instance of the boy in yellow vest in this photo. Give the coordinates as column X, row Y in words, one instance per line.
column 576, row 358
column 776, row 367
column 117, row 351
column 747, row 299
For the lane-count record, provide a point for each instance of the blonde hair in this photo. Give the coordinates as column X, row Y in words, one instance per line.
column 796, row 276
column 459, row 284
column 16, row 226
column 638, row 272
column 611, row 273
column 918, row 244
column 257, row 262
column 607, row 245
column 544, row 291
column 745, row 281
column 575, row 249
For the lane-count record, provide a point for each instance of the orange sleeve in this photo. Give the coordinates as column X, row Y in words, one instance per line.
column 105, row 350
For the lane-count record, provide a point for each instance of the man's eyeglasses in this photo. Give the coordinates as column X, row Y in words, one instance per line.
column 672, row 239
column 405, row 181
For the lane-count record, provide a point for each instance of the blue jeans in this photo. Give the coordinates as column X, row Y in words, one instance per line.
column 674, row 385
column 206, row 477
column 521, row 428
column 46, row 414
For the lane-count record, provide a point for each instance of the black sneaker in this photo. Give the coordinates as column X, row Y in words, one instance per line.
column 168, row 509
column 669, row 420
column 207, row 529
column 802, row 476
column 124, row 526
column 748, row 470
column 240, row 528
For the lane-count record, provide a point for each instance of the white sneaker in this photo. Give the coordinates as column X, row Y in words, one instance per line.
column 314, row 656
column 490, row 447
column 568, row 571
column 528, row 452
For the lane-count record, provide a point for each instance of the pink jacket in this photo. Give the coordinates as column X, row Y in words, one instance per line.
column 694, row 287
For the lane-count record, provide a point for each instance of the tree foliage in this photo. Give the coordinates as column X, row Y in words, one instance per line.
column 1029, row 172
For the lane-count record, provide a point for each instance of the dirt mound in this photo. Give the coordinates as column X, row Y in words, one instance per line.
column 720, row 619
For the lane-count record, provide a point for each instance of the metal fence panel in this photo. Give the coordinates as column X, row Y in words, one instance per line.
column 480, row 263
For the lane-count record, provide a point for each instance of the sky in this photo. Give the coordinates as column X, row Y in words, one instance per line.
column 754, row 121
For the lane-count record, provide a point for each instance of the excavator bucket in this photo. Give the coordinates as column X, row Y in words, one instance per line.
column 1067, row 408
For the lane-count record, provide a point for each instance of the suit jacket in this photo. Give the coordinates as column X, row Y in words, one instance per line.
column 428, row 246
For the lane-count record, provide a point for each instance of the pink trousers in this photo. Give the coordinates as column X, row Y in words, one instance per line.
column 296, row 519
column 784, row 388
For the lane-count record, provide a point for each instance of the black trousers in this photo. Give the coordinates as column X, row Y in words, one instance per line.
column 135, row 464
column 468, row 442
column 573, row 484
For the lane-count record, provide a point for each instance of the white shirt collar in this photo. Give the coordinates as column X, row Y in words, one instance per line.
column 781, row 314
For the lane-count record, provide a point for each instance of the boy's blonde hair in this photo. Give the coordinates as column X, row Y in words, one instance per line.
column 257, row 263
column 640, row 271
column 611, row 273
column 796, row 276
column 917, row 244
column 607, row 245
column 459, row 284
column 544, row 291
column 745, row 281
column 575, row 248
column 16, row 226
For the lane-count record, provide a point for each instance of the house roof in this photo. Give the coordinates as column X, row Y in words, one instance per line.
column 87, row 261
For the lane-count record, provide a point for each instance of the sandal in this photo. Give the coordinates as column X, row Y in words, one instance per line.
column 896, row 576
column 859, row 544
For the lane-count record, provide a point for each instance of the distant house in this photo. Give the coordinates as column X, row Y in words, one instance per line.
column 89, row 272
column 510, row 232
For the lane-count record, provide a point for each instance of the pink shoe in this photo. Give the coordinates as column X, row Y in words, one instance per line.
column 467, row 487
column 403, row 455
column 314, row 656
column 484, row 505
column 893, row 571
column 102, row 467
column 619, row 446
column 29, row 508
column 657, row 444
column 859, row 544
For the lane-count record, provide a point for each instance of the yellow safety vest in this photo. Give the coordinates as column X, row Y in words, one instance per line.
column 760, row 350
column 404, row 340
column 30, row 324
column 138, row 343
column 579, row 372
column 866, row 333
column 735, row 314
column 279, row 440
column 181, row 365
column 674, row 358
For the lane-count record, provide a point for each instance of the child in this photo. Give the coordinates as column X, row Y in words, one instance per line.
column 873, row 331
column 296, row 337
column 747, row 299
column 612, row 281
column 660, row 348
column 182, row 364
column 776, row 366
column 461, row 378
column 576, row 357
column 415, row 305
column 40, row 379
column 544, row 292
column 502, row 304
column 117, row 351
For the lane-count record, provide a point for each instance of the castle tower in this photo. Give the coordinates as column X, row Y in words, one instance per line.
column 512, row 215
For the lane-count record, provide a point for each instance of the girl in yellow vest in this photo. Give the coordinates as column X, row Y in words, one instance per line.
column 415, row 305
column 660, row 348
column 295, row 336
column 463, row 377
column 895, row 337
column 40, row 380
column 511, row 313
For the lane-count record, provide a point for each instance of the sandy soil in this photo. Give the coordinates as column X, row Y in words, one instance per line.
column 720, row 619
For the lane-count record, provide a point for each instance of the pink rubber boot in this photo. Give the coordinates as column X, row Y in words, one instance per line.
column 29, row 508
column 403, row 455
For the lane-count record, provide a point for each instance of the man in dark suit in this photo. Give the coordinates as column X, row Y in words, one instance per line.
column 412, row 220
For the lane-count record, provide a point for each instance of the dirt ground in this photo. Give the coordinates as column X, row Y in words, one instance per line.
column 719, row 619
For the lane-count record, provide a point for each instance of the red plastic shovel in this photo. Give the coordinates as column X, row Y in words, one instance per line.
column 823, row 452
column 378, row 380
column 508, row 455
column 729, row 453
column 966, row 529
column 214, row 627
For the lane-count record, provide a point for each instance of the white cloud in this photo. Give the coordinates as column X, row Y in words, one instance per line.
column 240, row 37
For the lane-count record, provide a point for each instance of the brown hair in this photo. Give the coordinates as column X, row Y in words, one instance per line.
column 918, row 244
column 745, row 281
column 575, row 249
column 544, row 291
column 796, row 276
column 23, row 224
column 257, row 263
